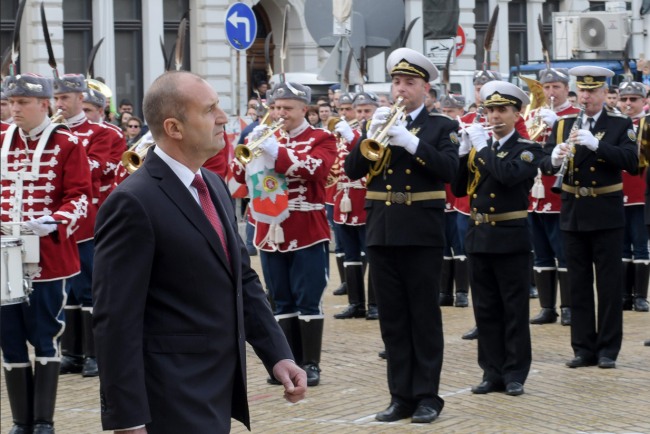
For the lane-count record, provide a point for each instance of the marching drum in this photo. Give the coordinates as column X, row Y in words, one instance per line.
column 15, row 285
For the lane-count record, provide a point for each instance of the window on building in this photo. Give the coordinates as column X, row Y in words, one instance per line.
column 77, row 35
column 482, row 14
column 600, row 6
column 173, row 11
column 8, row 10
column 128, row 52
column 548, row 8
column 517, row 31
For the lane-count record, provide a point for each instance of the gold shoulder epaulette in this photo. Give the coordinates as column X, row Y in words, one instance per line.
column 441, row 114
column 529, row 142
column 573, row 115
column 617, row 115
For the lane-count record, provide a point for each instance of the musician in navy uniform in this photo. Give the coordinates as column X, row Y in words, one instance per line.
column 497, row 174
column 644, row 136
column 405, row 236
column 592, row 218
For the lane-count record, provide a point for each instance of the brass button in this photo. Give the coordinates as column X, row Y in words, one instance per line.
column 476, row 223
column 577, row 169
column 388, row 187
column 475, row 210
column 491, row 209
column 594, row 195
column 492, row 195
column 408, row 187
column 577, row 196
column 423, row 163
column 390, row 171
column 494, row 223
column 593, row 169
column 577, row 183
column 548, row 172
column 474, row 196
column 408, row 202
column 593, row 182
column 408, row 171
column 387, row 203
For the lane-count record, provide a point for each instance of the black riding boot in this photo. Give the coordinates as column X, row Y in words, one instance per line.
column 46, row 379
column 461, row 276
column 90, row 359
column 565, row 297
column 447, row 283
column 628, row 285
column 373, row 313
column 72, row 342
column 291, row 328
column 642, row 278
column 342, row 289
column 356, row 292
column 312, row 339
column 20, row 388
column 547, row 289
column 533, row 289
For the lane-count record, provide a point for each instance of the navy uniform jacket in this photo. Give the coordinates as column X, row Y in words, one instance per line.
column 617, row 151
column 507, row 176
column 645, row 141
column 435, row 163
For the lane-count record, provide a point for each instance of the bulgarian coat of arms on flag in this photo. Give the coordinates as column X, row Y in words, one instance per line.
column 268, row 191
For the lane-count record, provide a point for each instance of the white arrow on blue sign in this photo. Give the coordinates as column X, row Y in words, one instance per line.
column 241, row 26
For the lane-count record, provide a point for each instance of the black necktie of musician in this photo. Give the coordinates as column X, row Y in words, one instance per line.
column 495, row 145
column 408, row 121
column 591, row 122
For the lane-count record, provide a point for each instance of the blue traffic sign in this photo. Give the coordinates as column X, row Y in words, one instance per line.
column 241, row 26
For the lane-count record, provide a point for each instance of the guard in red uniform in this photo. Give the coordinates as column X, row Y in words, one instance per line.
column 544, row 210
column 296, row 265
column 636, row 261
column 55, row 186
column 97, row 140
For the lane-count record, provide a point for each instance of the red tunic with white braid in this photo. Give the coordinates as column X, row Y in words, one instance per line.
column 62, row 191
column 96, row 139
column 305, row 157
column 634, row 185
column 4, row 126
column 355, row 190
column 118, row 147
column 551, row 202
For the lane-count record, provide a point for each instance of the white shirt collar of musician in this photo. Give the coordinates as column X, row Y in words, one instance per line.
column 300, row 129
column 35, row 133
column 415, row 113
column 562, row 107
column 596, row 116
column 503, row 139
column 76, row 120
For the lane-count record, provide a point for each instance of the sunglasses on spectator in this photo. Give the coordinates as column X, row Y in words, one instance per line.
column 632, row 99
column 134, row 126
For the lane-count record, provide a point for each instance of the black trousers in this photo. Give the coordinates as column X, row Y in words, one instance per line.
column 590, row 339
column 500, row 294
column 407, row 284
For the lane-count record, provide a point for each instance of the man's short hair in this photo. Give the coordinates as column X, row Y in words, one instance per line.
column 164, row 100
column 612, row 91
column 125, row 102
column 572, row 93
column 433, row 93
column 324, row 105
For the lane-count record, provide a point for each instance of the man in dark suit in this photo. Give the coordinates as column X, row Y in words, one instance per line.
column 175, row 298
column 405, row 226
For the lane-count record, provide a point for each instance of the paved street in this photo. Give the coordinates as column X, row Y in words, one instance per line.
column 353, row 388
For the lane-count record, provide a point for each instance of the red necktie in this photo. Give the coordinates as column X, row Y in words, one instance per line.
column 210, row 211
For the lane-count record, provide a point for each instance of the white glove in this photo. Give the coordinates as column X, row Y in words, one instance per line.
column 465, row 144
column 344, row 129
column 378, row 119
column 39, row 228
column 257, row 132
column 587, row 139
column 477, row 134
column 548, row 116
column 400, row 136
column 270, row 146
column 556, row 158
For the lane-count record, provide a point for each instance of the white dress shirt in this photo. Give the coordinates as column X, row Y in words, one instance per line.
column 585, row 124
column 183, row 172
column 503, row 139
column 415, row 113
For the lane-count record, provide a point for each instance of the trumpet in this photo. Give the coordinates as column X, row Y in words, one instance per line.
column 373, row 148
column 246, row 153
column 58, row 117
column 537, row 126
column 132, row 160
column 557, row 187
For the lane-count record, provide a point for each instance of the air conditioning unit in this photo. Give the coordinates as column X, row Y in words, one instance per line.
column 565, row 35
column 603, row 31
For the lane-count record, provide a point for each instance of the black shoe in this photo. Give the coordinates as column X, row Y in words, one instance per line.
column 641, row 304
column 90, row 367
column 641, row 283
column 271, row 380
column 579, row 362
column 313, row 375
column 461, row 299
column 373, row 313
column 21, row 429
column 424, row 414
column 546, row 316
column 605, row 363
column 252, row 251
column 533, row 292
column 341, row 290
column 446, row 299
column 514, row 389
column 43, row 428
column 566, row 316
column 628, row 303
column 394, row 412
column 471, row 335
column 382, row 354
column 647, row 343
column 71, row 365
column 352, row 311
column 487, row 387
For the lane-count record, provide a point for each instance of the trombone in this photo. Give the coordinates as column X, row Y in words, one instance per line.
column 246, row 153
column 373, row 148
column 132, row 160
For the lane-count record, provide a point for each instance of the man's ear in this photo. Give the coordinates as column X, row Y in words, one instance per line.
column 173, row 128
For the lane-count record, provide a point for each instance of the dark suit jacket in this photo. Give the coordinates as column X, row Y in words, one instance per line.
column 616, row 152
column 170, row 317
column 507, row 176
column 435, row 163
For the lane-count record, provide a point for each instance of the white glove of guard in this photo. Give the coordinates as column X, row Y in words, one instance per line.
column 587, row 139
column 39, row 228
column 465, row 144
column 548, row 116
column 477, row 135
column 556, row 158
column 257, row 132
column 344, row 129
column 400, row 136
column 270, row 146
column 378, row 119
